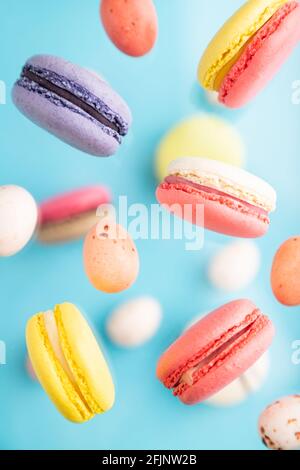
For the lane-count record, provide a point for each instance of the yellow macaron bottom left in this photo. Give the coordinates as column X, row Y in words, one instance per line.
column 69, row 363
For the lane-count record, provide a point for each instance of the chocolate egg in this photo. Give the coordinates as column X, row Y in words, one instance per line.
column 134, row 322
column 18, row 216
column 279, row 424
column 132, row 25
column 234, row 266
column 111, row 259
column 285, row 275
column 245, row 385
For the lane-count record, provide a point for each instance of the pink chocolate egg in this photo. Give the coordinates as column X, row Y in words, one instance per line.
column 131, row 25
column 111, row 259
column 285, row 275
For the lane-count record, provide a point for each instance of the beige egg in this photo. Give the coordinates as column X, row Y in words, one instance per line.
column 245, row 385
column 234, row 266
column 18, row 216
column 134, row 322
column 213, row 98
column 110, row 257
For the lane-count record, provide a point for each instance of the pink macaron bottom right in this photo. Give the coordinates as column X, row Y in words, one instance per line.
column 220, row 376
column 215, row 351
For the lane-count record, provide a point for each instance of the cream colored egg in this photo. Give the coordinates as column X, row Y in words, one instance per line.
column 234, row 266
column 18, row 219
column 240, row 389
column 134, row 322
column 213, row 98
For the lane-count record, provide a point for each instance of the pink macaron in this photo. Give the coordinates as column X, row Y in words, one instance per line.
column 215, row 351
column 218, row 196
column 71, row 215
column 262, row 57
column 249, row 50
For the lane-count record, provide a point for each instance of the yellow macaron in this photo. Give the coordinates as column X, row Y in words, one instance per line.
column 69, row 364
column 201, row 135
column 228, row 43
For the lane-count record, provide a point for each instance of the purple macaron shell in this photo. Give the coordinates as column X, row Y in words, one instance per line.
column 62, row 120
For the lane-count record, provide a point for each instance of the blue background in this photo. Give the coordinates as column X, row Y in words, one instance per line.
column 161, row 89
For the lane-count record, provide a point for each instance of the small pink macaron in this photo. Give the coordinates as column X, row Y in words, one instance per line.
column 262, row 57
column 70, row 216
column 218, row 196
column 110, row 257
column 215, row 351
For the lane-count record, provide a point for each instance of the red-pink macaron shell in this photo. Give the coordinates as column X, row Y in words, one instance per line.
column 206, row 331
column 220, row 376
column 73, row 203
column 262, row 58
column 215, row 324
column 221, row 214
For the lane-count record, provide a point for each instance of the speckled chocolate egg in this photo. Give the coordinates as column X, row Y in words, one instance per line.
column 279, row 424
column 285, row 275
column 111, row 259
column 131, row 25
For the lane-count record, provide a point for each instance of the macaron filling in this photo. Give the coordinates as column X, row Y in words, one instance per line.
column 63, row 92
column 54, row 340
column 210, row 197
column 249, row 51
column 215, row 353
column 48, row 329
column 53, row 337
column 227, row 179
column 177, row 180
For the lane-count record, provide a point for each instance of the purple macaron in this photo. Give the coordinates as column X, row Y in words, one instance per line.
column 73, row 103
